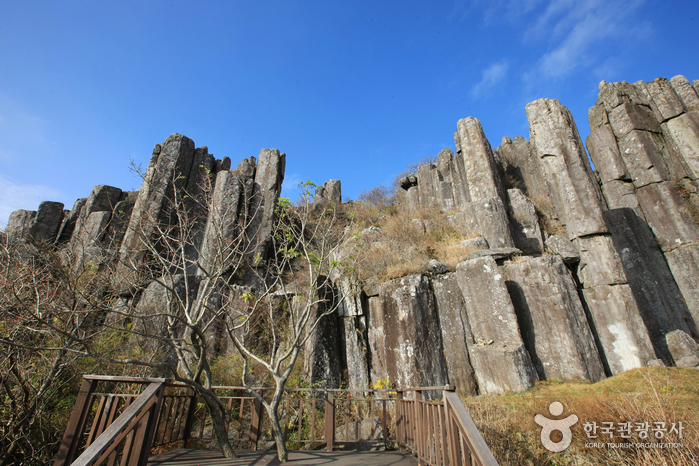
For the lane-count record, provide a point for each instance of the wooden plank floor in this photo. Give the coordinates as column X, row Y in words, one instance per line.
column 182, row 457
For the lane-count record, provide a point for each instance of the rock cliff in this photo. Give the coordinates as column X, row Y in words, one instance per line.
column 582, row 270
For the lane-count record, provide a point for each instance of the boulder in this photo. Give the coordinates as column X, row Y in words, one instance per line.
column 19, row 223
column 474, row 244
column 497, row 254
column 552, row 320
column 102, row 199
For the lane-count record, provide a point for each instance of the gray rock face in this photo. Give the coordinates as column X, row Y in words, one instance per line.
column 628, row 117
column 323, row 355
column 618, row 326
column 456, row 334
column 496, row 253
column 486, row 218
column 575, row 197
column 524, row 223
column 659, row 300
column 686, row 92
column 665, row 102
column 69, row 221
column 428, row 180
column 684, row 264
column 552, row 320
column 171, row 160
column 599, row 262
column 119, row 222
column 350, row 292
column 453, row 188
column 356, row 352
column 41, row 225
column 683, row 349
column 436, row 267
column 559, row 244
column 479, row 163
column 474, row 244
column 620, row 194
column 498, row 356
column 684, row 131
column 19, row 223
column 667, row 215
column 413, row 346
column 246, row 167
column 268, row 184
column 643, row 159
column 47, row 221
column 222, row 235
column 102, row 199
column 331, row 191
column 605, row 154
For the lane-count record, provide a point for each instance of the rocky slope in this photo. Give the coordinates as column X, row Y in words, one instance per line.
column 580, row 273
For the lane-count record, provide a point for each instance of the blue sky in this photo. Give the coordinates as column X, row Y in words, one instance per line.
column 352, row 90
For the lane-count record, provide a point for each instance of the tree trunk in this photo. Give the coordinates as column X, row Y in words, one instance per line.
column 278, row 437
column 219, row 423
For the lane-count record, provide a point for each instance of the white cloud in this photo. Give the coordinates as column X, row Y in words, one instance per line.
column 492, row 75
column 14, row 196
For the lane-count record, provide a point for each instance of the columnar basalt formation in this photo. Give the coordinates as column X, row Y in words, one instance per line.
column 576, row 271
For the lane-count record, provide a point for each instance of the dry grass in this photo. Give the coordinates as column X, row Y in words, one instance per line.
column 656, row 394
column 406, row 243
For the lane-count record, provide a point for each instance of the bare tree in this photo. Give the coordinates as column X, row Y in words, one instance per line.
column 223, row 281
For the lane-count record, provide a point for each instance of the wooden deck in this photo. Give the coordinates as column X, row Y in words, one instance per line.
column 183, row 457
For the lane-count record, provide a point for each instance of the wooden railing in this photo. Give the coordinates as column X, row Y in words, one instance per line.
column 439, row 433
column 121, row 429
column 125, row 428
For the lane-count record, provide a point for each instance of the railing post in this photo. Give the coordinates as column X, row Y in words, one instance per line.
column 330, row 422
column 420, row 428
column 151, row 427
column 400, row 421
column 189, row 420
column 76, row 424
column 256, row 422
column 452, row 436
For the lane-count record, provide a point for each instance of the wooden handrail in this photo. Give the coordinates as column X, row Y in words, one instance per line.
column 138, row 415
column 477, row 446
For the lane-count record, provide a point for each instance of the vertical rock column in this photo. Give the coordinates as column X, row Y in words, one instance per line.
column 412, row 354
column 498, row 356
column 167, row 170
column 269, row 176
column 644, row 143
column 614, row 317
column 552, row 319
column 485, row 214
